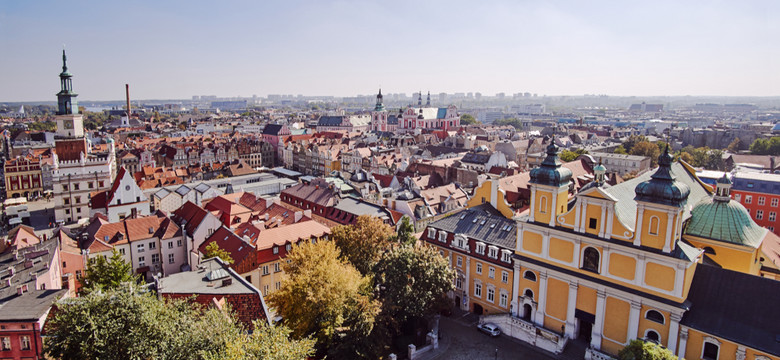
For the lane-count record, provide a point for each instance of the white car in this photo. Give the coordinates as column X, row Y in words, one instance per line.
column 490, row 329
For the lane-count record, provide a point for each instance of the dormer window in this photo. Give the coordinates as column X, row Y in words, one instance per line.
column 493, row 252
column 481, row 248
column 442, row 236
column 506, row 256
column 276, row 250
column 431, row 233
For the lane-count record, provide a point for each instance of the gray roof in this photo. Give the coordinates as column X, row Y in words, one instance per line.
column 197, row 281
column 162, row 193
column 29, row 306
column 183, row 190
column 202, row 187
column 31, row 261
column 625, row 209
column 357, row 207
column 481, row 223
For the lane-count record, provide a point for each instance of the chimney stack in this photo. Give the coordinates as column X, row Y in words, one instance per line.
column 127, row 93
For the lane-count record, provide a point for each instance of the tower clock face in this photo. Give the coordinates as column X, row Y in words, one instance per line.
column 68, row 124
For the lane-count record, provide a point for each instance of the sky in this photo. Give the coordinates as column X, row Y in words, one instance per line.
column 177, row 49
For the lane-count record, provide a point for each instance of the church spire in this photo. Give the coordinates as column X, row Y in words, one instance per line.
column 428, row 103
column 419, row 98
column 379, row 105
column 66, row 98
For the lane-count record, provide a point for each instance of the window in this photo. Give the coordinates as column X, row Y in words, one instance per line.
column 504, row 277
column 78, row 274
column 277, row 267
column 543, row 204
column 481, row 248
column 141, row 261
column 529, row 275
column 653, row 336
column 761, row 200
column 710, row 351
column 171, row 259
column 590, row 259
column 443, row 236
column 288, row 247
column 265, row 290
column 748, row 199
column 503, row 300
column 24, row 341
column 76, row 186
column 431, row 233
column 506, row 256
column 478, row 290
column 738, row 197
column 460, row 261
column 479, row 268
column 66, row 201
column 593, row 223
column 771, row 228
column 276, row 250
column 459, row 282
column 654, row 224
column 139, row 248
column 178, row 243
column 64, row 187
column 155, row 258
column 278, row 285
column 265, row 270
column 772, row 216
column 6, row 345
column 773, row 203
column 529, row 294
column 152, row 246
column 492, row 272
column 491, row 294
column 461, row 242
column 170, row 244
column 759, row 214
column 493, row 252
column 656, row 316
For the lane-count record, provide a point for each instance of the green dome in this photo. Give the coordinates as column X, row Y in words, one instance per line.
column 663, row 188
column 600, row 167
column 551, row 173
column 726, row 221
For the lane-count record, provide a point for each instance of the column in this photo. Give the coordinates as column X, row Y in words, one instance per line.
column 584, row 217
column 605, row 261
column 576, row 257
column 741, row 353
column 674, row 328
column 554, row 203
column 638, row 231
column 669, row 226
column 683, row 343
column 571, row 308
column 603, row 221
column 610, row 221
column 533, row 204
column 539, row 318
column 545, row 245
column 515, row 289
column 598, row 328
column 633, row 320
column 577, row 211
column 640, row 270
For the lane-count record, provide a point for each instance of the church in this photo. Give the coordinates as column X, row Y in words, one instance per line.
column 414, row 118
column 662, row 257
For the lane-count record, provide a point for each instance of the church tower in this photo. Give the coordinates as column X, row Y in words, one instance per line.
column 70, row 123
column 379, row 115
column 549, row 188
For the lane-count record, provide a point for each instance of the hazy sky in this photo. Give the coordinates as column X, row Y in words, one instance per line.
column 176, row 49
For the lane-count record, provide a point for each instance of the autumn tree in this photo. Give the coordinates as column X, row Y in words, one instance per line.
column 363, row 242
column 107, row 273
column 632, row 141
column 213, row 250
column 325, row 297
column 735, row 145
column 646, row 148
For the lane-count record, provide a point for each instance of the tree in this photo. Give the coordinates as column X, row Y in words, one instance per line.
column 267, row 342
column 687, row 157
column 568, row 156
column 325, row 297
column 633, row 140
column 363, row 242
column 766, row 146
column 620, row 150
column 412, row 278
column 735, row 145
column 646, row 148
column 213, row 250
column 645, row 350
column 510, row 121
column 405, row 233
column 107, row 274
column 467, row 119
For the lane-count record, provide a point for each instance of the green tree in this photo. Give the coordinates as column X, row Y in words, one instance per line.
column 107, row 274
column 646, row 148
column 363, row 242
column 267, row 342
column 766, row 146
column 620, row 150
column 568, row 156
column 213, row 250
column 405, row 234
column 412, row 278
column 327, row 298
column 633, row 140
column 467, row 119
column 642, row 350
column 510, row 121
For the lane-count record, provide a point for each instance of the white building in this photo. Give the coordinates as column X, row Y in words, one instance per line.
column 197, row 225
column 168, row 201
column 124, row 198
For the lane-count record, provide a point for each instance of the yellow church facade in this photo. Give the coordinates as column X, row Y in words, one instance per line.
column 616, row 263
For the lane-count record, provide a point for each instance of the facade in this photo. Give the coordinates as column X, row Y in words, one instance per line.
column 623, row 262
column 124, row 199
column 348, row 123
column 479, row 243
column 168, row 201
column 760, row 194
column 623, row 164
column 23, row 177
column 198, row 224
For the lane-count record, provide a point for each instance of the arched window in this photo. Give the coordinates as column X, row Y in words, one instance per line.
column 529, row 275
column 656, row 316
column 710, row 351
column 653, row 336
column 543, row 204
column 529, row 293
column 653, row 230
column 590, row 259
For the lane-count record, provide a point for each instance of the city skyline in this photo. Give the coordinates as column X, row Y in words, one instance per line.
column 178, row 49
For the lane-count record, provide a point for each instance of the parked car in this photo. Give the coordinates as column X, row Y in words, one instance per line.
column 490, row 329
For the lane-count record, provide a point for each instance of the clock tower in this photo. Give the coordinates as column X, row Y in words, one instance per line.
column 70, row 124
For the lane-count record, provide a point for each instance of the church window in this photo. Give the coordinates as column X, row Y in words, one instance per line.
column 653, row 336
column 543, row 204
column 654, row 224
column 529, row 294
column 710, row 351
column 593, row 223
column 590, row 259
column 656, row 316
column 529, row 275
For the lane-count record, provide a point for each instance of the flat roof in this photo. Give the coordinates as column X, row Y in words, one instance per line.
column 207, row 278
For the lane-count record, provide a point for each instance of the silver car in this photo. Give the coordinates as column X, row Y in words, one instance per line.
column 490, row 329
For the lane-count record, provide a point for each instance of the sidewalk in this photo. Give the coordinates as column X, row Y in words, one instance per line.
column 459, row 316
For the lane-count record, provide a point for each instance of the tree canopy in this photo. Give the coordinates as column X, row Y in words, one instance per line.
column 645, row 350
column 107, row 274
column 766, row 146
column 213, row 250
column 405, row 233
column 510, row 121
column 646, row 148
column 467, row 119
column 567, row 155
column 362, row 243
